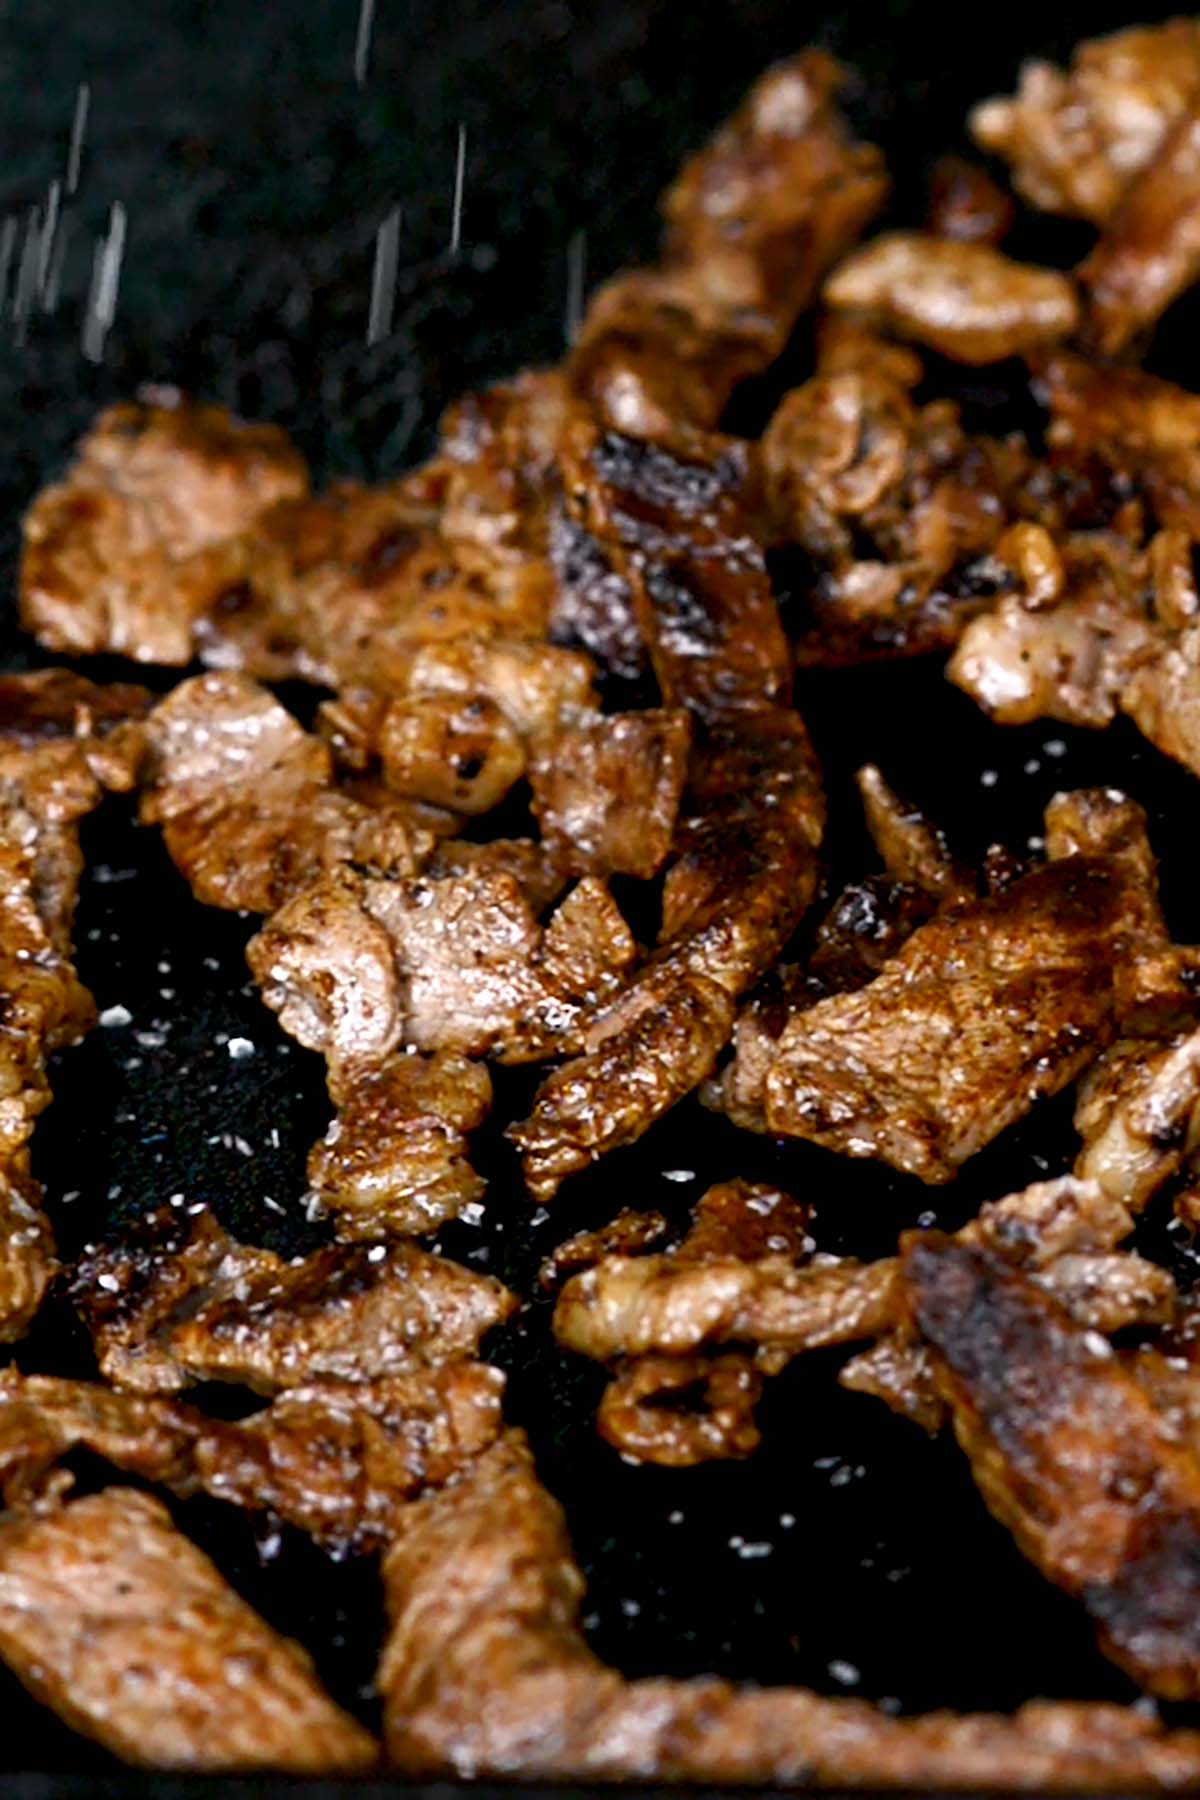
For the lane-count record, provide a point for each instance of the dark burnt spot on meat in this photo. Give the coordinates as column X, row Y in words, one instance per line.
column 388, row 554
column 684, row 621
column 653, row 481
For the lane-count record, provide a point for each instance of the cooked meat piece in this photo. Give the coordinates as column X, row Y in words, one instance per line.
column 132, row 546
column 864, row 928
column 489, row 1675
column 1162, row 694
column 1070, row 1454
column 62, row 740
column 1139, row 1115
column 393, row 1162
column 914, row 851
column 1071, row 661
column 338, row 1459
column 676, row 1411
column 1149, row 251
column 966, row 204
column 178, row 1300
column 897, row 507
column 628, row 1233
column 458, row 753
column 745, row 867
column 112, row 1618
column 355, row 966
column 899, row 1372
column 1076, row 141
column 986, row 1008
column 606, row 793
column 247, row 802
column 753, row 222
column 634, row 1306
column 966, row 300
column 1139, row 427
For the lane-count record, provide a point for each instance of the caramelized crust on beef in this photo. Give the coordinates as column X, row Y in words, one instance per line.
column 966, row 300
column 178, row 1301
column 115, row 1620
column 489, row 1674
column 393, row 1162
column 1069, row 1452
column 1077, row 140
column 606, row 794
column 337, row 1459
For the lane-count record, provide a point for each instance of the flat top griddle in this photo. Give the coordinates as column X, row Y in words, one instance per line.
column 851, row 1554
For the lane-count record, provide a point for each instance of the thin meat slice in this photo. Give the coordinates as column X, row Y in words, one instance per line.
column 355, row 966
column 393, row 1162
column 1149, row 252
column 675, row 521
column 1070, row 1453
column 985, row 1008
column 488, row 1674
column 63, row 740
column 247, row 800
column 966, row 300
column 132, row 546
column 178, row 1300
column 913, row 849
column 336, row 1459
column 1139, row 1115
column 112, row 1618
column 1077, row 140
column 753, row 222
column 606, row 794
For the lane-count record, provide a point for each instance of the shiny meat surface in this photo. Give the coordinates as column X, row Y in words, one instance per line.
column 913, row 849
column 627, row 1234
column 984, row 1009
column 339, row 1460
column 179, row 1301
column 393, row 1162
column 247, row 801
column 606, row 794
column 1138, row 1114
column 1071, row 1455
column 1076, row 140
column 112, row 1618
column 355, row 966
column 964, row 299
column 132, row 546
column 489, row 1674
column 1149, row 252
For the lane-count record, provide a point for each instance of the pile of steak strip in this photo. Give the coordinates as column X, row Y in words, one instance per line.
column 578, row 530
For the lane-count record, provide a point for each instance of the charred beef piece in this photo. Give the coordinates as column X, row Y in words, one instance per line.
column 110, row 1616
column 489, row 1674
column 1070, row 1453
column 178, row 1300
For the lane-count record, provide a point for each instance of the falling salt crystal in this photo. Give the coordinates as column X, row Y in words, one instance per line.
column 845, row 1672
column 73, row 1195
column 1098, row 1346
column 83, row 98
column 787, row 1520
column 675, row 1518
column 116, row 1015
column 460, row 170
column 376, row 1253
column 630, row 1608
column 576, row 277
column 240, row 1048
column 749, row 1552
column 239, row 1143
column 362, row 41
column 269, row 1546
column 538, row 1217
column 989, row 778
column 383, row 278
column 472, row 1213
column 272, row 1204
column 1054, row 747
column 679, row 1174
column 109, row 1283
column 106, row 282
column 926, row 1219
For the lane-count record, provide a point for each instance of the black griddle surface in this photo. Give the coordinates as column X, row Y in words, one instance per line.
column 851, row 1554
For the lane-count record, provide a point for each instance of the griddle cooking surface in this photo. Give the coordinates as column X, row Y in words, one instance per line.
column 851, row 1553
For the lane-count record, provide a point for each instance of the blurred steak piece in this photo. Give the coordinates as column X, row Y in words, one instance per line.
column 177, row 1300
column 1077, row 140
column 488, row 1674
column 134, row 545
column 966, row 300
column 1149, row 251
column 112, row 1618
column 606, row 794
column 1070, row 1454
